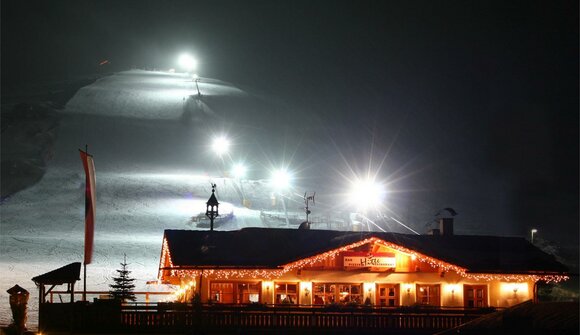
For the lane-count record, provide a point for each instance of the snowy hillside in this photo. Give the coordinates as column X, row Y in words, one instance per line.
column 149, row 134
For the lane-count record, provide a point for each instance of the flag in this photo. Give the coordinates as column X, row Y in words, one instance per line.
column 90, row 200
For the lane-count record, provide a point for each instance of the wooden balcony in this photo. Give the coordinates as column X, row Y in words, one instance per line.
column 113, row 317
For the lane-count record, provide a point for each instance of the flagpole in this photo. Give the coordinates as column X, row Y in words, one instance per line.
column 85, row 257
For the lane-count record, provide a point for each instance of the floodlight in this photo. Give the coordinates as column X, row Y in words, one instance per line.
column 187, row 62
column 366, row 193
column 280, row 179
column 239, row 171
column 220, row 145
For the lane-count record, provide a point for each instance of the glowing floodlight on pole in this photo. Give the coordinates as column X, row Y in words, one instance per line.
column 238, row 171
column 220, row 145
column 187, row 62
column 280, row 182
column 280, row 179
column 367, row 194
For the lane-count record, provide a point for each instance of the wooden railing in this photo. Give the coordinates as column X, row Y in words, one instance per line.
column 63, row 296
column 175, row 317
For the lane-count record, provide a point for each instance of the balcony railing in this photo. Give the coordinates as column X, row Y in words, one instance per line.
column 110, row 316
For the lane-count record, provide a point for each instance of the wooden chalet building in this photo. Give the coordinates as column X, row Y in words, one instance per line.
column 322, row 267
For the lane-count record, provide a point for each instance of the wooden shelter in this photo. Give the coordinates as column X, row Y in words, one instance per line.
column 67, row 274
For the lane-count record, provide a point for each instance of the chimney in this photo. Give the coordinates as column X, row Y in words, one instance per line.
column 446, row 226
column 434, row 232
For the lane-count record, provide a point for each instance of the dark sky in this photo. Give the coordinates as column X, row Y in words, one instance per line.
column 475, row 97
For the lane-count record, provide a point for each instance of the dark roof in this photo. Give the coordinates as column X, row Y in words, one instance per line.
column 17, row 290
column 272, row 248
column 66, row 274
column 525, row 318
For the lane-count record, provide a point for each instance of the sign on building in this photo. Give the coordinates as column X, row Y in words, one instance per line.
column 354, row 259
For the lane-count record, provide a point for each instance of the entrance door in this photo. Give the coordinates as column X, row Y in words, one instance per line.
column 475, row 296
column 428, row 295
column 388, row 295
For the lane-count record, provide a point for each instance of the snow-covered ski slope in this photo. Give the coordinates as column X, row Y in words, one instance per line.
column 149, row 134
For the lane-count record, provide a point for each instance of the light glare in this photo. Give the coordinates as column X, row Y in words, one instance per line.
column 239, row 171
column 367, row 194
column 187, row 62
column 280, row 179
column 220, row 145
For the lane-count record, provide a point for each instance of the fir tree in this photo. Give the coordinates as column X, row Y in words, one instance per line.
column 123, row 287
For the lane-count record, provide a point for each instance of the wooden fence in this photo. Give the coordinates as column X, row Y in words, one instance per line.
column 112, row 317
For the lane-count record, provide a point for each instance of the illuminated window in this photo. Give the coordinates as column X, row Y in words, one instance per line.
column 286, row 293
column 323, row 293
column 234, row 292
column 428, row 295
column 328, row 293
column 350, row 293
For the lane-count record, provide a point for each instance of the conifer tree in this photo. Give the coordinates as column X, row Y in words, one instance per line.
column 123, row 287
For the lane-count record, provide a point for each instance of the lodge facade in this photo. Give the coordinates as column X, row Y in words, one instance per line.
column 320, row 268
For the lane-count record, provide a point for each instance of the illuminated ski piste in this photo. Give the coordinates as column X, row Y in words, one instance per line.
column 152, row 174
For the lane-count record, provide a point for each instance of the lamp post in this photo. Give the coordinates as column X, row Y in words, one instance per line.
column 533, row 231
column 196, row 79
column 238, row 173
column 281, row 181
column 212, row 206
column 367, row 195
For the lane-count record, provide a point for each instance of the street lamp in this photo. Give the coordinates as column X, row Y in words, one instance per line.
column 239, row 172
column 533, row 231
column 212, row 207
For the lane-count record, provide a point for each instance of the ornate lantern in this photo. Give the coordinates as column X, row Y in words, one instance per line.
column 212, row 207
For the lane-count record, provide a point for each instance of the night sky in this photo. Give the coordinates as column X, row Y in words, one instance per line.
column 461, row 97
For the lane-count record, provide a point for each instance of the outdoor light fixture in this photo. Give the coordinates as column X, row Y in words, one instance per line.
column 280, row 179
column 220, row 145
column 187, row 62
column 367, row 193
column 533, row 231
column 212, row 207
column 239, row 171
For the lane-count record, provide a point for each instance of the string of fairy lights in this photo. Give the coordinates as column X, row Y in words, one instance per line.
column 331, row 254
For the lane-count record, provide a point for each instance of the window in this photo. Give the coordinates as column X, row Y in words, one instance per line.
column 327, row 293
column 428, row 295
column 222, row 293
column 350, row 293
column 475, row 296
column 323, row 293
column 235, row 293
column 388, row 295
column 286, row 293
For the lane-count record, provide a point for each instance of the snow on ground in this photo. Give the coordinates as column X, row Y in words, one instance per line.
column 153, row 173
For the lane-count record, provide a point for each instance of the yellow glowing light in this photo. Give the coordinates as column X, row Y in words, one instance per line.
column 452, row 288
column 514, row 289
column 368, row 287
